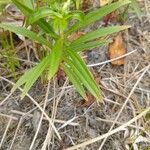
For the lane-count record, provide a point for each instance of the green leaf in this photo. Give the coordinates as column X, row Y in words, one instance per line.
column 83, row 73
column 42, row 23
column 97, row 34
column 22, row 80
column 75, row 80
column 98, row 14
column 28, row 3
column 55, row 58
column 24, row 9
column 31, row 76
column 41, row 13
column 27, row 33
column 87, row 46
column 77, row 15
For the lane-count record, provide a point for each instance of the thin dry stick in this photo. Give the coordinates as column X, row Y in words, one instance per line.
column 39, row 125
column 68, row 122
column 126, row 101
column 49, row 129
column 120, row 128
column 46, row 139
column 2, row 102
column 121, row 123
column 38, row 106
column 30, row 111
column 8, row 116
column 18, row 126
column 4, row 135
column 108, row 61
column 49, row 132
column 130, row 102
column 54, row 103
column 31, row 116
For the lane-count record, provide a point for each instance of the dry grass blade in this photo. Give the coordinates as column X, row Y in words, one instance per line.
column 8, row 116
column 44, row 118
column 118, row 129
column 41, row 109
column 108, row 61
column 68, row 122
column 126, row 101
column 105, row 136
column 15, row 135
column 55, row 104
column 121, row 123
column 5, row 133
column 2, row 102
column 41, row 118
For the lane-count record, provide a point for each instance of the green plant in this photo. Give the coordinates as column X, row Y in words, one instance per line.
column 54, row 28
column 8, row 52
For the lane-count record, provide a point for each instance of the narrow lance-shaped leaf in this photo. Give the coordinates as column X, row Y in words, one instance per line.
column 22, row 80
column 42, row 23
column 77, row 15
column 25, row 32
column 89, row 45
column 98, row 14
column 86, row 76
column 26, row 10
column 98, row 33
column 35, row 74
column 41, row 13
column 75, row 80
column 31, row 76
column 77, row 60
column 55, row 58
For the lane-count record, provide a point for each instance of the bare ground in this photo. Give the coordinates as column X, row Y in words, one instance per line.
column 126, row 91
